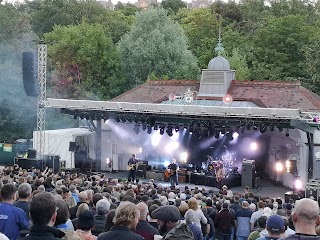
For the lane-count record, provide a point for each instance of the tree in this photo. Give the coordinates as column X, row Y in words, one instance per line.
column 84, row 57
column 126, row 9
column 277, row 52
column 201, row 28
column 45, row 14
column 238, row 62
column 155, row 44
column 173, row 6
column 13, row 24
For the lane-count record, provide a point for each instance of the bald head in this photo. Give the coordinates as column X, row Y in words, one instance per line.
column 83, row 196
column 307, row 210
column 143, row 208
column 245, row 204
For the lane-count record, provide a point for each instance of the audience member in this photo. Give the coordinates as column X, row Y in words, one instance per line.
column 189, row 217
column 275, row 227
column 24, row 195
column 102, row 208
column 85, row 224
column 223, row 222
column 242, row 222
column 12, row 219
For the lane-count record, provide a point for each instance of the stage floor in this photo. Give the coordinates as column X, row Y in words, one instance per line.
column 265, row 188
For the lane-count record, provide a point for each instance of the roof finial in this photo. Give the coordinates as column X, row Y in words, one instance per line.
column 219, row 48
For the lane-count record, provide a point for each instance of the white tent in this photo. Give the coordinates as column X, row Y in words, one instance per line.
column 57, row 143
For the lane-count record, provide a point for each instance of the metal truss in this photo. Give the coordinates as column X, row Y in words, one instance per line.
column 41, row 110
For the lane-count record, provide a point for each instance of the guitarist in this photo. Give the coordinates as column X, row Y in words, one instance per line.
column 173, row 168
column 220, row 175
column 132, row 167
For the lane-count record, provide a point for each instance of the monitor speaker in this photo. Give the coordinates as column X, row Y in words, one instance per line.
column 32, row 153
column 29, row 74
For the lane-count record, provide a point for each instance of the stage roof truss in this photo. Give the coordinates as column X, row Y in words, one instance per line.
column 176, row 110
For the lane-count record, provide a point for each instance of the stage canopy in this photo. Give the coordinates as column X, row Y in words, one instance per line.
column 57, row 143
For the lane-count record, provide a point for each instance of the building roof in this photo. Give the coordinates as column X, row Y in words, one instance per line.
column 265, row 94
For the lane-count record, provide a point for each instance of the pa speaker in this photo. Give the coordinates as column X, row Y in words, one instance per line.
column 29, row 74
column 32, row 153
column 72, row 146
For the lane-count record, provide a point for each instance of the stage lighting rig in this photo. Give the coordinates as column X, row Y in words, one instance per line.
column 149, row 131
column 169, row 130
column 271, row 127
column 155, row 127
column 144, row 127
column 177, row 128
column 136, row 128
column 162, row 127
column 117, row 118
column 263, row 128
column 287, row 133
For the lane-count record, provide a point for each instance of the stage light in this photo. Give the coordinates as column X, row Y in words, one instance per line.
column 271, row 127
column 217, row 135
column 255, row 128
column 280, row 129
column 288, row 166
column 298, row 184
column 248, row 126
column 144, row 127
column 253, row 146
column 287, row 133
column 162, row 127
column 108, row 163
column 136, row 128
column 263, row 128
column 129, row 119
column 140, row 149
column 117, row 118
column 316, row 119
column 242, row 129
column 149, row 131
column 166, row 163
column 155, row 127
column 123, row 119
column 279, row 167
column 235, row 135
column 106, row 121
column 227, row 99
column 169, row 131
column 177, row 128
column 184, row 156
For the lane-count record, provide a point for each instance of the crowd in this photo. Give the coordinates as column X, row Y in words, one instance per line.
column 42, row 205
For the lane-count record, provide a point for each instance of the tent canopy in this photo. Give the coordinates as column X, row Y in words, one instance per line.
column 57, row 143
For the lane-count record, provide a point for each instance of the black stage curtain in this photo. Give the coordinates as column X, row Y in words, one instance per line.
column 198, row 179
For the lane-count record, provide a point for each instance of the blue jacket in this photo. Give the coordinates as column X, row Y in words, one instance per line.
column 12, row 220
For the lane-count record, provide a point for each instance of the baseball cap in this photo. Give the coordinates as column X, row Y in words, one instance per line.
column 167, row 213
column 275, row 223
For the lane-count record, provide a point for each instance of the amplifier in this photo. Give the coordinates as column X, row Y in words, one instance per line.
column 312, row 189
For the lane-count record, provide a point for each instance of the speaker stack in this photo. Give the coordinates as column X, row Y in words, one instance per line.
column 29, row 74
column 248, row 174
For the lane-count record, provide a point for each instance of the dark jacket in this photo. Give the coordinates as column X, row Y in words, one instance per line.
column 100, row 221
column 119, row 233
column 145, row 230
column 224, row 221
column 73, row 210
column 38, row 232
column 179, row 232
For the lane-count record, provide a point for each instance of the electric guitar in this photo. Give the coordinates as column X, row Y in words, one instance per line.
column 132, row 166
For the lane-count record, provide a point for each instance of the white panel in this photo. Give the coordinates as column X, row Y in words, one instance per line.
column 316, row 137
column 106, row 148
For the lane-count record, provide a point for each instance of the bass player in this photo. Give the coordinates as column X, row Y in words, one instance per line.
column 220, row 175
column 132, row 168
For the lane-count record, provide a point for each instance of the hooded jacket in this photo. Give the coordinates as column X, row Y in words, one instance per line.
column 179, row 232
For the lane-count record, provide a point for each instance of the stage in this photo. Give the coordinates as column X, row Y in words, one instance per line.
column 265, row 188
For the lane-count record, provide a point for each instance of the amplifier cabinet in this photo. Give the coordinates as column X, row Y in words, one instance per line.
column 312, row 190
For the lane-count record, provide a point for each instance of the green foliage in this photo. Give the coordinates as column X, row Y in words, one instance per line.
column 45, row 14
column 238, row 62
column 13, row 24
column 201, row 28
column 126, row 9
column 173, row 6
column 87, row 61
column 278, row 48
column 155, row 44
column 230, row 11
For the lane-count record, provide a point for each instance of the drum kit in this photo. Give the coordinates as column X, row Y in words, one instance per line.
column 212, row 165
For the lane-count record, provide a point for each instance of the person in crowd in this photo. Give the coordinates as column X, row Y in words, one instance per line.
column 242, row 222
column 236, row 204
column 189, row 218
column 173, row 169
column 83, row 197
column 110, row 216
column 132, row 168
column 144, row 228
column 85, row 224
column 256, row 215
column 287, row 230
column 81, row 208
column 223, row 222
column 43, row 216
column 102, row 208
column 199, row 216
column 305, row 216
column 12, row 219
column 275, row 227
column 73, row 190
column 153, row 222
column 261, row 224
column 62, row 219
column 169, row 223
column 125, row 221
column 95, row 198
column 24, row 195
